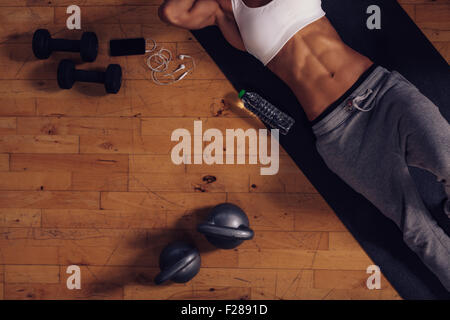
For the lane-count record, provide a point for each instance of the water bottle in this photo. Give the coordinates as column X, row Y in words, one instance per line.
column 267, row 112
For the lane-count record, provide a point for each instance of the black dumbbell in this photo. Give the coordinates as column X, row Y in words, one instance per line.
column 44, row 45
column 67, row 75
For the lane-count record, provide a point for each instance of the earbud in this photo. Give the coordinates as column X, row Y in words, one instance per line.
column 182, row 56
column 181, row 67
column 182, row 76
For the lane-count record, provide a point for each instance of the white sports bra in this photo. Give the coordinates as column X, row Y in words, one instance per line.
column 265, row 30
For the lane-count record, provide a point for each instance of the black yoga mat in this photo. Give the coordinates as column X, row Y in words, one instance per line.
column 398, row 45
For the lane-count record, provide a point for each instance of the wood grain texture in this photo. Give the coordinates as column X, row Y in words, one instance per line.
column 87, row 178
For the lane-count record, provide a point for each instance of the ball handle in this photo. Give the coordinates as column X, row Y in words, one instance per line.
column 171, row 271
column 241, row 233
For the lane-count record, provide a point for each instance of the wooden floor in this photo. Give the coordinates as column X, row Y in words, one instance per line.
column 86, row 179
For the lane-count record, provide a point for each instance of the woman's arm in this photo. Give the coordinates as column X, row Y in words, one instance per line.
column 197, row 14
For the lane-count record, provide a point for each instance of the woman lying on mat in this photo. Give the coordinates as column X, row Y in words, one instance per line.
column 370, row 123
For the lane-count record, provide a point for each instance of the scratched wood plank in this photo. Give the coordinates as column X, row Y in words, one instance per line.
column 14, row 217
column 31, row 291
column 141, row 292
column 31, row 274
column 341, row 260
column 39, row 144
column 116, row 219
column 188, row 182
column 13, row 106
column 8, row 126
column 85, row 107
column 212, row 258
column 173, row 292
column 158, row 200
column 276, row 259
column 98, row 283
column 99, row 163
column 43, row 237
column 72, row 254
column 183, row 219
column 4, row 162
column 77, row 126
column 35, row 181
column 317, row 220
column 154, row 164
column 236, row 277
column 220, row 293
column 27, row 255
column 127, row 144
column 99, row 181
column 291, row 283
column 49, row 199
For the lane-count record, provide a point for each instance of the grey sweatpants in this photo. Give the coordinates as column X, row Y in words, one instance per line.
column 369, row 141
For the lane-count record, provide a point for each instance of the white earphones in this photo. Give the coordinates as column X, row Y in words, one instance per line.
column 182, row 76
column 180, row 67
column 153, row 48
column 162, row 59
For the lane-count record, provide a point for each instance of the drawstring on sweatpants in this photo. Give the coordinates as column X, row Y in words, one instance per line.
column 354, row 102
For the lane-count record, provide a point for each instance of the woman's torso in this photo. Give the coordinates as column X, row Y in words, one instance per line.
column 316, row 64
column 265, row 29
